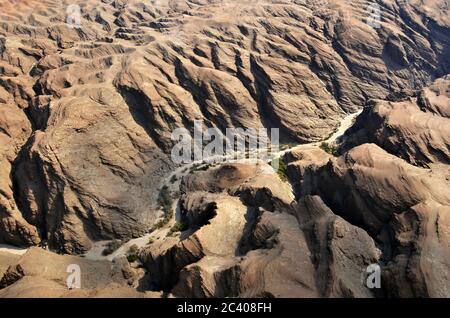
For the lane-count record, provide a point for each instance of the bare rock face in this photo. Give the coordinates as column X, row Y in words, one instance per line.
column 30, row 286
column 252, row 239
column 420, row 265
column 339, row 250
column 401, row 203
column 74, row 180
column 435, row 97
column 368, row 185
column 401, row 206
column 40, row 273
column 14, row 131
column 370, row 196
column 7, row 259
column 227, row 219
column 36, row 287
column 87, row 111
column 416, row 129
column 47, row 265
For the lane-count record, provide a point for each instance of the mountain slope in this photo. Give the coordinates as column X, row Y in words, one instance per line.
column 91, row 109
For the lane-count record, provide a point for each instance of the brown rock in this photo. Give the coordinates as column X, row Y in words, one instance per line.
column 233, row 250
column 416, row 129
column 401, row 206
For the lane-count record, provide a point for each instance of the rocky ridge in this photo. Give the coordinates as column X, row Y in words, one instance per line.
column 89, row 110
column 86, row 116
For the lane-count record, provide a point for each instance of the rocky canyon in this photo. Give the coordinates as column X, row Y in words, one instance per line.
column 91, row 92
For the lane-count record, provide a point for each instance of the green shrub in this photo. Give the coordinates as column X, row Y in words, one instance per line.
column 132, row 258
column 205, row 167
column 328, row 148
column 132, row 253
column 177, row 227
column 200, row 167
column 282, row 169
column 160, row 224
column 193, row 168
column 134, row 249
column 164, row 198
column 165, row 202
column 111, row 247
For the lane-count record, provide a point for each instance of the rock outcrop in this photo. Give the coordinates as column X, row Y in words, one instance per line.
column 251, row 239
column 248, row 235
column 89, row 98
column 403, row 207
column 89, row 102
column 416, row 129
column 40, row 273
column 7, row 259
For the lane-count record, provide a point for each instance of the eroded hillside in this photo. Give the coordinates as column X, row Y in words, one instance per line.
column 87, row 109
